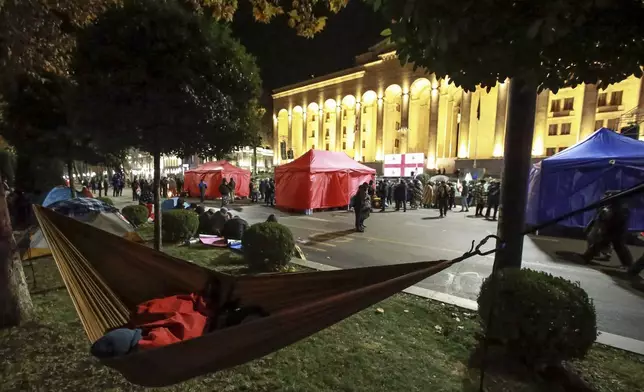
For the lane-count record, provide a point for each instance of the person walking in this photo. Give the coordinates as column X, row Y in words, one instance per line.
column 465, row 193
column 202, row 190
column 400, row 195
column 231, row 186
column 479, row 197
column 493, row 199
column 452, row 196
column 443, row 198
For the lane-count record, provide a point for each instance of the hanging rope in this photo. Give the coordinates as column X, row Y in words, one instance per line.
column 476, row 251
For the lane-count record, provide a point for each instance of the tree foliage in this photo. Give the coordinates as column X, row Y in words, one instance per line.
column 549, row 43
column 154, row 76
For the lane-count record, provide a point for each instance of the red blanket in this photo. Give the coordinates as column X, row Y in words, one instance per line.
column 170, row 320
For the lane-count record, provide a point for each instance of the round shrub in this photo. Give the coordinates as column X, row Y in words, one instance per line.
column 136, row 214
column 538, row 318
column 106, row 200
column 268, row 246
column 179, row 225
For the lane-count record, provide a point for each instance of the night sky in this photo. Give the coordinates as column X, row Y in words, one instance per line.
column 284, row 58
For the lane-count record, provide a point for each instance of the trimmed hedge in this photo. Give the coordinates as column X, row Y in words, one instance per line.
column 268, row 246
column 538, row 318
column 136, row 214
column 179, row 225
column 106, row 200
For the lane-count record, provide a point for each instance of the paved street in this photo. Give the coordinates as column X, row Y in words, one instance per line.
column 392, row 237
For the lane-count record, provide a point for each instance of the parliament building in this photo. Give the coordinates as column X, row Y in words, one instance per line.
column 379, row 107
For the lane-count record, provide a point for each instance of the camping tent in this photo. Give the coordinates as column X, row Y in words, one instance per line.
column 319, row 179
column 580, row 175
column 90, row 211
column 212, row 173
column 58, row 193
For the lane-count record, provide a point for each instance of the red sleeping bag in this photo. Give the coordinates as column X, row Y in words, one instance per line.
column 170, row 320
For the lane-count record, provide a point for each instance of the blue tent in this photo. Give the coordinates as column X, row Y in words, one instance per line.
column 58, row 193
column 579, row 175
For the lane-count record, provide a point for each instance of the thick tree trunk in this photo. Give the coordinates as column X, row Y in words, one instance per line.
column 516, row 171
column 157, row 200
column 15, row 301
column 255, row 160
column 70, row 173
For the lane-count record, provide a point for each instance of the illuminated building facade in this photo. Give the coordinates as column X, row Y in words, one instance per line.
column 379, row 107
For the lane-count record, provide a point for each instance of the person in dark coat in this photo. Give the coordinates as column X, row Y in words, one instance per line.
column 269, row 193
column 224, row 189
column 231, row 185
column 202, row 190
column 361, row 207
column 452, row 196
column 400, row 195
column 465, row 193
column 382, row 194
column 442, row 198
column 234, row 228
column 493, row 199
column 262, row 189
column 610, row 228
column 390, row 193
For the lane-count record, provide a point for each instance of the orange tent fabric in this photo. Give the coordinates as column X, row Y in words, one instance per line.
column 212, row 173
column 319, row 179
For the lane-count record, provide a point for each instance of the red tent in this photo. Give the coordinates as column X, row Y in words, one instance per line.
column 319, row 179
column 212, row 173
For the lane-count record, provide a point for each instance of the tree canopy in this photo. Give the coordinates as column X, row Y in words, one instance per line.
column 550, row 43
column 154, row 76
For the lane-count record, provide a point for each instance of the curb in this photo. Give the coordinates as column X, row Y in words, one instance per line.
column 605, row 338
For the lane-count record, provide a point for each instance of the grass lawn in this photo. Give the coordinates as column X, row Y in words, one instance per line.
column 398, row 350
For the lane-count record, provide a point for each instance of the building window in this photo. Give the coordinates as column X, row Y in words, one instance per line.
column 364, row 129
column 555, row 106
column 327, row 146
column 613, row 124
column 601, row 99
column 565, row 129
column 313, row 146
column 327, row 133
column 344, row 114
column 562, row 148
column 398, row 107
column 364, row 144
column 364, row 109
column 328, row 116
column 313, row 118
column 397, row 125
column 550, row 151
column 397, row 143
column 344, row 131
column 552, row 130
column 568, row 104
column 616, row 98
column 313, row 133
column 599, row 124
column 344, row 145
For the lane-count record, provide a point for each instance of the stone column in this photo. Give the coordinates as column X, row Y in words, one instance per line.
column 358, row 130
column 501, row 114
column 305, row 127
column 338, row 129
column 433, row 128
column 276, row 142
column 289, row 141
column 380, row 129
column 321, row 120
column 404, row 115
column 540, row 124
column 588, row 111
column 464, row 137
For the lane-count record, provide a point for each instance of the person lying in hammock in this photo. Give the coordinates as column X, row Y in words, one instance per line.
column 164, row 321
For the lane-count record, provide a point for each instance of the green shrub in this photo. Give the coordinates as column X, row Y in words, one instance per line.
column 106, row 200
column 538, row 318
column 179, row 225
column 136, row 214
column 268, row 246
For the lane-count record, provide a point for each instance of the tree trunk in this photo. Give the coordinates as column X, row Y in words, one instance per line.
column 15, row 301
column 255, row 160
column 70, row 173
column 157, row 200
column 516, row 171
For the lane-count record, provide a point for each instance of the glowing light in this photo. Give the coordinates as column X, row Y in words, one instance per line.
column 498, row 151
column 537, row 147
column 462, row 151
column 318, row 85
column 431, row 162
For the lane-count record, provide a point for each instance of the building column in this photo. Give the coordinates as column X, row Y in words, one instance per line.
column 320, row 143
column 464, row 130
column 588, row 112
column 338, row 128
column 358, row 132
column 540, row 124
column 404, row 115
column 276, row 142
column 433, row 128
column 289, row 141
column 304, row 131
column 501, row 115
column 380, row 152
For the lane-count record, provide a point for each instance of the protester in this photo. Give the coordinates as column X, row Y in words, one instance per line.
column 400, row 195
column 202, row 190
column 224, row 189
column 465, row 193
column 428, row 195
column 480, row 198
column 443, row 198
column 231, row 186
column 269, row 193
column 493, row 199
column 361, row 207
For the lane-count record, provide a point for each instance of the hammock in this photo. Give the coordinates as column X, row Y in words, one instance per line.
column 107, row 276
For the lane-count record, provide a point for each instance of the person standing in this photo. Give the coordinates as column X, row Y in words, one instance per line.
column 428, row 195
column 231, row 186
column 382, row 194
column 443, row 198
column 390, row 193
column 465, row 193
column 479, row 197
column 362, row 207
column 224, row 189
column 269, row 193
column 493, row 199
column 202, row 190
column 99, row 186
column 135, row 189
column 452, row 196
column 400, row 195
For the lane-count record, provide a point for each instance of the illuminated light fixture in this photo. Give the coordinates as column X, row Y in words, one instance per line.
column 498, row 151
column 373, row 63
column 318, row 85
column 431, row 162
